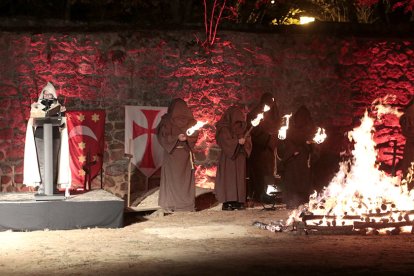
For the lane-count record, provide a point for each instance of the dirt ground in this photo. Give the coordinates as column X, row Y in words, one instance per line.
column 206, row 242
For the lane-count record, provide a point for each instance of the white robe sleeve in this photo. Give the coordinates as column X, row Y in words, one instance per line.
column 64, row 176
column 31, row 173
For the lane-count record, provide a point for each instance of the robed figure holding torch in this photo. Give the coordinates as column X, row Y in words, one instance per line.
column 230, row 186
column 299, row 151
column 262, row 162
column 177, row 186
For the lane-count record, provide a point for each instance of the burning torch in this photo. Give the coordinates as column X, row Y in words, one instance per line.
column 190, row 132
column 282, row 131
column 255, row 122
column 195, row 127
column 320, row 136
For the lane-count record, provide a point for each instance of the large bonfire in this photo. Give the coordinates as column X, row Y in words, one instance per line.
column 360, row 198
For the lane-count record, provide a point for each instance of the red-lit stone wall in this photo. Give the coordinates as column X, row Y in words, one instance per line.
column 337, row 78
column 380, row 69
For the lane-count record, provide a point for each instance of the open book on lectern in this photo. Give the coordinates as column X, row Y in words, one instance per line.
column 53, row 111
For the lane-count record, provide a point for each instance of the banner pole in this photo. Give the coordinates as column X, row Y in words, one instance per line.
column 129, row 173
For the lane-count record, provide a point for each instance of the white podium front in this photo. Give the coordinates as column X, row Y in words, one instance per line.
column 48, row 123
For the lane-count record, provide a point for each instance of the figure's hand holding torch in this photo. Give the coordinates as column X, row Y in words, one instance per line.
column 282, row 131
column 182, row 137
column 195, row 127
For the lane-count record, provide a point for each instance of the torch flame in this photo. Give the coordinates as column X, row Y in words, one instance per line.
column 320, row 136
column 260, row 116
column 257, row 120
column 282, row 131
column 195, row 127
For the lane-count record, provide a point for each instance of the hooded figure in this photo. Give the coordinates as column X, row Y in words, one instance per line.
column 298, row 154
column 177, row 186
column 407, row 128
column 230, row 186
column 33, row 174
column 262, row 162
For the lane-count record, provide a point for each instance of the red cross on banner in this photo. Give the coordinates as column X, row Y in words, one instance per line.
column 140, row 137
column 147, row 160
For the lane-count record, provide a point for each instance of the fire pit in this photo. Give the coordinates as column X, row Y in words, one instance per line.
column 360, row 199
column 391, row 222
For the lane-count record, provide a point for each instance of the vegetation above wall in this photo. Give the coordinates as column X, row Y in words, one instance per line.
column 184, row 12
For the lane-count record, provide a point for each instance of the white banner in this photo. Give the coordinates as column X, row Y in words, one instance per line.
column 141, row 137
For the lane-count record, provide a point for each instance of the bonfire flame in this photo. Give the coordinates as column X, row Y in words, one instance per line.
column 386, row 109
column 320, row 136
column 360, row 195
column 282, row 131
column 382, row 106
column 195, row 127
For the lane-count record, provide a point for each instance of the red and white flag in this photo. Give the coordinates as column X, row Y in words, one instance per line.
column 140, row 137
column 86, row 132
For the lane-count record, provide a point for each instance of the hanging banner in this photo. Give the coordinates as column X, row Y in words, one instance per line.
column 140, row 137
column 86, row 132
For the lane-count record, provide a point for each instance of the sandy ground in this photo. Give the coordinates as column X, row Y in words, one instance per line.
column 206, row 242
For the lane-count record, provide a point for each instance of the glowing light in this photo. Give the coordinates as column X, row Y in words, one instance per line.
column 386, row 109
column 320, row 136
column 257, row 120
column 306, row 20
column 205, row 177
column 260, row 116
column 282, row 131
column 271, row 190
column 195, row 127
column 360, row 195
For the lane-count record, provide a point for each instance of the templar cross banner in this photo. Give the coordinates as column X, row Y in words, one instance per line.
column 140, row 137
column 86, row 130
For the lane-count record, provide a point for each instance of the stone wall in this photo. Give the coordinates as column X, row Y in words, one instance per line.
column 336, row 77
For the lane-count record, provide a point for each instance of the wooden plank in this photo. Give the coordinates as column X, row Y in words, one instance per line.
column 403, row 213
column 381, row 225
